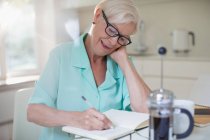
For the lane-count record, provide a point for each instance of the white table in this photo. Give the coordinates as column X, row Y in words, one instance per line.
column 198, row 134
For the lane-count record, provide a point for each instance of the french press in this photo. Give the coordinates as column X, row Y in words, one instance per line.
column 161, row 111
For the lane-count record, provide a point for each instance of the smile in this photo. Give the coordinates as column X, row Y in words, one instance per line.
column 104, row 46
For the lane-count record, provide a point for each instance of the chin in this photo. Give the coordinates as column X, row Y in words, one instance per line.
column 102, row 54
column 100, row 51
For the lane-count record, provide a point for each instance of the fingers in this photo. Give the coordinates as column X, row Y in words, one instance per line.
column 96, row 120
column 119, row 55
column 97, row 124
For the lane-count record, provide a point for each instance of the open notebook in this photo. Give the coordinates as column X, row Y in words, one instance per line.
column 202, row 116
column 125, row 122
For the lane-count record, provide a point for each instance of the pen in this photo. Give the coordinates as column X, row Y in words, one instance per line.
column 91, row 106
column 87, row 102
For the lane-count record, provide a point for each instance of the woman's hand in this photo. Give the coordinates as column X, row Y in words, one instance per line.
column 120, row 56
column 93, row 120
column 46, row 116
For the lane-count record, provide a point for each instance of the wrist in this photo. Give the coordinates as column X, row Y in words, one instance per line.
column 125, row 66
column 67, row 118
column 124, row 62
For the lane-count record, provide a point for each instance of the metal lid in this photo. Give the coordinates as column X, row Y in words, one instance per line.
column 161, row 98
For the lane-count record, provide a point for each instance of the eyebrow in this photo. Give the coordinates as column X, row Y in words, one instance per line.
column 114, row 25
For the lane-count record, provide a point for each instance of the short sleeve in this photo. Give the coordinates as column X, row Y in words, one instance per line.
column 46, row 87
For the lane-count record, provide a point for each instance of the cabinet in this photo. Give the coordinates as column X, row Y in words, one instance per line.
column 179, row 75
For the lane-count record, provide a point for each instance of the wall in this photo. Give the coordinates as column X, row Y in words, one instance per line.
column 45, row 32
column 7, row 105
column 161, row 18
column 6, row 114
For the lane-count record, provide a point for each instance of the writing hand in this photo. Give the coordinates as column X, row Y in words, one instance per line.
column 91, row 119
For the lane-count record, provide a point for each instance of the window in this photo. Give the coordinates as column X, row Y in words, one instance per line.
column 17, row 38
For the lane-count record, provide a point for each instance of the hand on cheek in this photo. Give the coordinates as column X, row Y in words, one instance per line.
column 119, row 55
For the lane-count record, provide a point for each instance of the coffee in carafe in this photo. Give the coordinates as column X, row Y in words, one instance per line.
column 161, row 112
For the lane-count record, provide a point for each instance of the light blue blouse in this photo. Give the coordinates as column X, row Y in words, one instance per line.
column 68, row 76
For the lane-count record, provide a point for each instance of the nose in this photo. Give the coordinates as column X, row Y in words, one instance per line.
column 113, row 40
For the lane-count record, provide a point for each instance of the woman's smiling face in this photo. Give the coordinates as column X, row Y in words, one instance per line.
column 102, row 43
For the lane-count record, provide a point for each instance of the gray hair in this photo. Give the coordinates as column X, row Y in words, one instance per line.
column 120, row 11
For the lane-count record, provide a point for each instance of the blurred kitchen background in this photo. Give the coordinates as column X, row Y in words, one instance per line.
column 30, row 29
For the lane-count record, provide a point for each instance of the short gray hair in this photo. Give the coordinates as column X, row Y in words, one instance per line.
column 120, row 11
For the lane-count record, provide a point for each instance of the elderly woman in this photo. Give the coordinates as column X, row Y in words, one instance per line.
column 95, row 67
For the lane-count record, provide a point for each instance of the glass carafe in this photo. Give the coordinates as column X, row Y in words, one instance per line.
column 161, row 116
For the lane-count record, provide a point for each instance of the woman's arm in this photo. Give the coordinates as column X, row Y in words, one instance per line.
column 50, row 117
column 138, row 90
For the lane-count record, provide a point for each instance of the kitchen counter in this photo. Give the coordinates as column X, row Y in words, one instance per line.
column 180, row 71
column 171, row 56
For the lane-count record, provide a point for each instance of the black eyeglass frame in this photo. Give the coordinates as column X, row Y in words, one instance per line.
column 115, row 35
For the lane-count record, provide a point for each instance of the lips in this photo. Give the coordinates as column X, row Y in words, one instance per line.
column 104, row 46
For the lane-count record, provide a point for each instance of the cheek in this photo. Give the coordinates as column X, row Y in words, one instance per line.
column 96, row 41
column 97, row 38
column 99, row 32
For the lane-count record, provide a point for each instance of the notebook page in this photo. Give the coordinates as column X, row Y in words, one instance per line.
column 126, row 119
column 98, row 134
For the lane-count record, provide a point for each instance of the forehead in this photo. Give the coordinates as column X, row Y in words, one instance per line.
column 126, row 29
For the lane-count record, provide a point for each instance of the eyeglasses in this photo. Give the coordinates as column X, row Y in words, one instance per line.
column 113, row 32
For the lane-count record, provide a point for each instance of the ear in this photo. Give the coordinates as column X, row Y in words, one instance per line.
column 97, row 15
